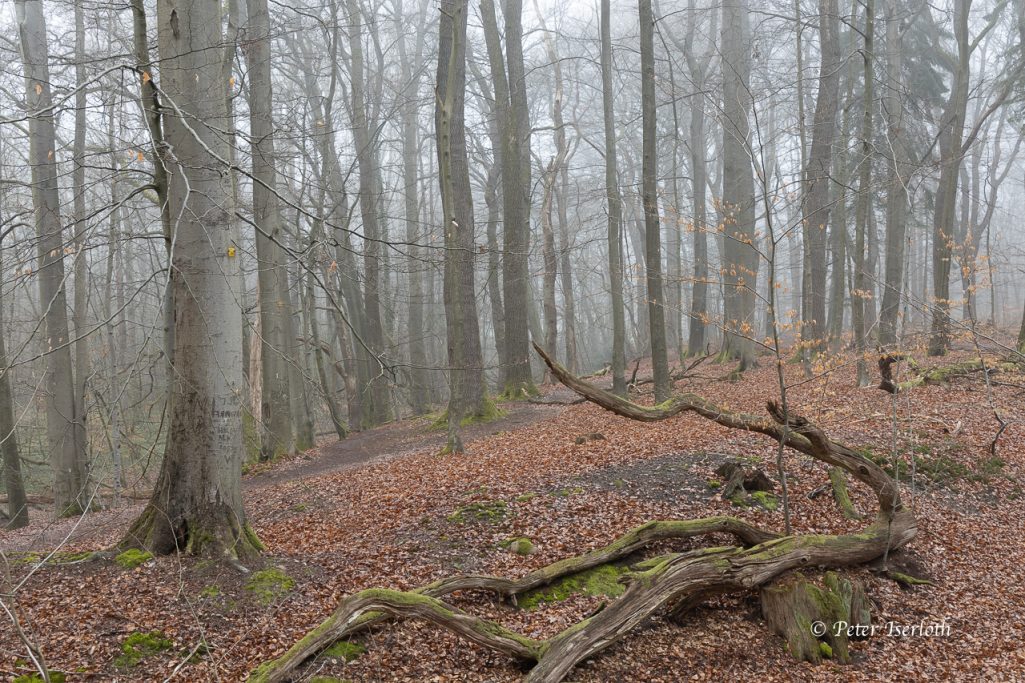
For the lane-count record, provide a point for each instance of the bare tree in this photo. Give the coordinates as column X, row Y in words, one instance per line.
column 652, row 229
column 740, row 258
column 615, row 209
column 277, row 335
column 64, row 430
column 466, row 373
column 196, row 504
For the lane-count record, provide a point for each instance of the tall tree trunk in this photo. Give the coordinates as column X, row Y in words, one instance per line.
column 495, row 188
column 411, row 74
column 377, row 408
column 615, row 202
column 740, row 260
column 951, row 134
column 569, row 316
column 698, row 67
column 276, row 330
column 149, row 101
column 197, row 503
column 899, row 171
column 14, row 485
column 81, row 262
column 817, row 177
column 555, row 176
column 466, row 373
column 649, row 184
column 64, row 435
column 859, row 290
column 516, row 209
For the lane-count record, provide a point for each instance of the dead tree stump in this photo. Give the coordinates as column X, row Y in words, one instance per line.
column 817, row 621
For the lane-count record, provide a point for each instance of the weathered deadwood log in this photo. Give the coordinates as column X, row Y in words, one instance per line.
column 938, row 375
column 724, row 569
column 344, row 622
column 817, row 621
column 672, row 581
column 741, row 480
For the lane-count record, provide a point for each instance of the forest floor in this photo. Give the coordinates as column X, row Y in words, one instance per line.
column 383, row 508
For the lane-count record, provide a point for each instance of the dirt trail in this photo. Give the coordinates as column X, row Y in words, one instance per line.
column 373, row 445
column 395, row 440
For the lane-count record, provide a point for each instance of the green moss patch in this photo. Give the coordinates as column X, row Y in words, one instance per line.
column 211, row 591
column 602, row 580
column 488, row 512
column 138, row 646
column 55, row 677
column 345, row 650
column 133, row 557
column 766, row 500
column 269, row 584
column 489, row 412
column 520, row 546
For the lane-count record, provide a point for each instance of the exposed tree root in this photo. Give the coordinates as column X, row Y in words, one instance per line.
column 674, row 582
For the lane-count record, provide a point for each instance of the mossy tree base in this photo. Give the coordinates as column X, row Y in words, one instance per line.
column 670, row 582
column 817, row 621
column 214, row 532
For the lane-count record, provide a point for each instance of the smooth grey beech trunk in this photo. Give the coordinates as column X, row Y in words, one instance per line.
column 376, row 401
column 740, row 260
column 615, row 203
column 652, row 228
column 277, row 333
column 466, row 372
column 899, row 172
column 817, row 176
column 65, row 437
column 196, row 504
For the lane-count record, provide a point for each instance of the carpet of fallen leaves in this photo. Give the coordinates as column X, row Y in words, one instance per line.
column 387, row 523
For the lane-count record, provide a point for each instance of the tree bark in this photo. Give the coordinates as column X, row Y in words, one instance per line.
column 277, row 333
column 860, row 290
column 899, row 170
column 64, row 433
column 516, row 209
column 652, row 229
column 740, row 260
column 196, row 505
column 410, row 65
column 377, row 408
column 14, row 484
column 466, row 373
column 615, row 208
column 818, row 179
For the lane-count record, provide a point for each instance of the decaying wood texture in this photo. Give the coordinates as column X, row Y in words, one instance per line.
column 670, row 582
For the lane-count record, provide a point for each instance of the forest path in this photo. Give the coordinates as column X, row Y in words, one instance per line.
column 387, row 442
column 399, row 438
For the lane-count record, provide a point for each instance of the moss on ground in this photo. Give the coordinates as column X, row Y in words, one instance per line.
column 489, row 412
column 601, row 580
column 520, row 546
column 766, row 500
column 345, row 650
column 55, row 677
column 269, row 584
column 489, row 512
column 133, row 557
column 138, row 646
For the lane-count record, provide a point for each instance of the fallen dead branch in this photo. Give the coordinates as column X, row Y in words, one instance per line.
column 673, row 581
